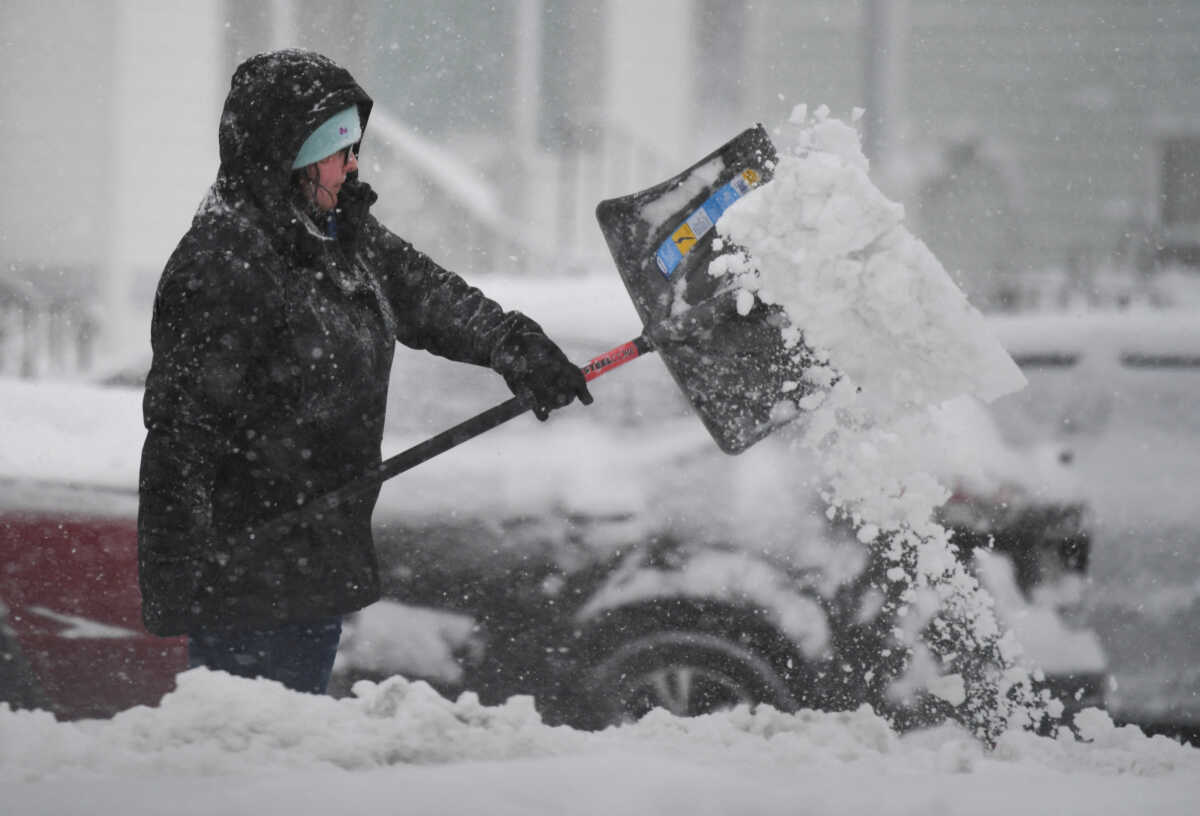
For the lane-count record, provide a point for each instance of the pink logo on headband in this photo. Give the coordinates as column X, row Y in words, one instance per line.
column 342, row 131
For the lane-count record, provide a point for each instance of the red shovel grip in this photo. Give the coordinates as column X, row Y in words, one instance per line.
column 618, row 356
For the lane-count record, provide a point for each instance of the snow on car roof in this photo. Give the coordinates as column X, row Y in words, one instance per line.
column 70, row 433
column 91, row 436
column 590, row 307
column 1140, row 336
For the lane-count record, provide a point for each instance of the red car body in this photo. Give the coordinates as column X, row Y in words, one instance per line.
column 69, row 582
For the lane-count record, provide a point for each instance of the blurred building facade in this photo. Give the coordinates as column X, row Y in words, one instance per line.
column 1026, row 139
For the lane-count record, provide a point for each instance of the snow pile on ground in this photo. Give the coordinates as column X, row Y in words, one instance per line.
column 221, row 744
column 898, row 339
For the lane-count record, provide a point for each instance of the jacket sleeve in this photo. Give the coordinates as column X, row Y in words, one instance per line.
column 435, row 309
column 207, row 327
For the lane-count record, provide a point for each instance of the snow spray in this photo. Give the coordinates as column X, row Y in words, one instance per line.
column 897, row 338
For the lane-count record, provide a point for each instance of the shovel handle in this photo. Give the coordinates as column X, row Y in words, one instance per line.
column 442, row 442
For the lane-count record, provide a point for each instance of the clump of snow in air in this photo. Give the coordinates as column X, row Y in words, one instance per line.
column 229, row 745
column 830, row 248
column 895, row 340
column 416, row 638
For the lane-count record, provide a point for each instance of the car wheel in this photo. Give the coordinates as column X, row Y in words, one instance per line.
column 686, row 673
column 18, row 686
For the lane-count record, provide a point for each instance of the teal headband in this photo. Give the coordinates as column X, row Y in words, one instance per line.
column 339, row 131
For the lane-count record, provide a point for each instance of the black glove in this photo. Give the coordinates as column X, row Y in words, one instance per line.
column 537, row 371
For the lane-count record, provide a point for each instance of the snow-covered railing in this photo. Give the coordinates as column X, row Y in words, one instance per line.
column 544, row 225
column 43, row 333
column 434, row 198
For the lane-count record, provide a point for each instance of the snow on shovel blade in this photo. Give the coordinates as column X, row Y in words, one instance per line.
column 733, row 367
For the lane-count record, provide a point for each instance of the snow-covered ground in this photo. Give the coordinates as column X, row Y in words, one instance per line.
column 223, row 745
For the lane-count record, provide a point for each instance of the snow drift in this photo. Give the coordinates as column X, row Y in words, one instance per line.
column 226, row 744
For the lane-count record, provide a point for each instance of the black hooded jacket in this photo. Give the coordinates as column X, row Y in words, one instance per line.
column 272, row 349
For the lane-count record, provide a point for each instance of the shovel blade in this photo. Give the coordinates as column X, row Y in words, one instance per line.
column 733, row 367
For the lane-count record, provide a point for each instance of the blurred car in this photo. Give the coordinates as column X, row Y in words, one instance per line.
column 608, row 562
column 71, row 640
column 1119, row 391
column 616, row 561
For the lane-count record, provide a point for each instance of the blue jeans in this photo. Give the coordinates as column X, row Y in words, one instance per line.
column 299, row 655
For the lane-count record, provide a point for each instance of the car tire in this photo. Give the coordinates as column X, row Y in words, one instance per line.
column 18, row 686
column 685, row 672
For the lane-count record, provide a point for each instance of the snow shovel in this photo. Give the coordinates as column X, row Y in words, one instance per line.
column 733, row 367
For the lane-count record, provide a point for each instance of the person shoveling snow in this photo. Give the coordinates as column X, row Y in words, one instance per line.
column 814, row 301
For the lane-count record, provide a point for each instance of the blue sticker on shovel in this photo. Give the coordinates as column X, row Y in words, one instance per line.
column 685, row 237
